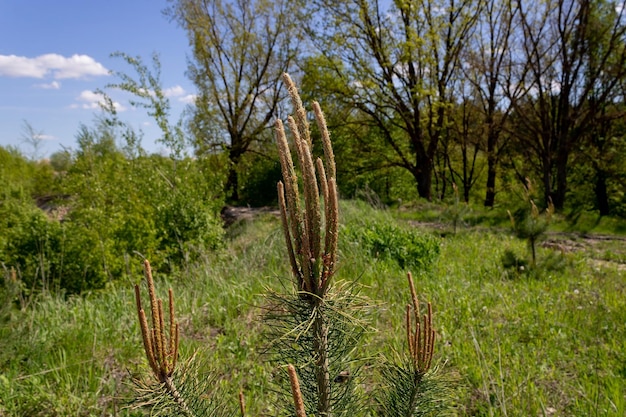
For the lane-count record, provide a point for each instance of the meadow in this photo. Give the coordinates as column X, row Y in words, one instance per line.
column 511, row 340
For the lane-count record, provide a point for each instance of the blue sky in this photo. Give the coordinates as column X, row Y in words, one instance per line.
column 55, row 53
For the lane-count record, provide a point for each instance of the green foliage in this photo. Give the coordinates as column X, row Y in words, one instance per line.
column 50, row 255
column 194, row 383
column 409, row 248
column 163, row 208
column 511, row 261
column 528, row 223
column 23, row 179
column 148, row 94
column 109, row 205
column 186, row 211
column 406, row 395
column 555, row 342
column 288, row 323
column 258, row 177
column 46, row 253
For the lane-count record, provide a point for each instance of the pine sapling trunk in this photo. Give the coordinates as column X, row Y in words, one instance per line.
column 414, row 394
column 173, row 391
column 321, row 367
column 532, row 241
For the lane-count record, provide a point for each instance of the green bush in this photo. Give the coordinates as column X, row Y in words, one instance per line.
column 114, row 205
column 510, row 260
column 48, row 254
column 385, row 240
column 24, row 179
column 186, row 223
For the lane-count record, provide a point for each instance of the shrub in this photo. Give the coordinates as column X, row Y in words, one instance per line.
column 409, row 248
column 511, row 261
column 48, row 254
column 115, row 204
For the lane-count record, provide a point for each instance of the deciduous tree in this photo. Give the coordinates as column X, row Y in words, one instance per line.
column 488, row 68
column 397, row 69
column 240, row 51
column 573, row 56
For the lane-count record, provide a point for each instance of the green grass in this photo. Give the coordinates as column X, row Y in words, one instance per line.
column 546, row 342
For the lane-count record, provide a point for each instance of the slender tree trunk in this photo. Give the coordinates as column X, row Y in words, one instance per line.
column 492, row 163
column 602, row 195
column 547, row 180
column 561, row 179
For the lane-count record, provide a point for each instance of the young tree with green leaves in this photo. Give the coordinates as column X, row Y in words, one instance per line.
column 397, row 68
column 186, row 193
column 240, row 50
column 147, row 93
column 489, row 64
column 571, row 61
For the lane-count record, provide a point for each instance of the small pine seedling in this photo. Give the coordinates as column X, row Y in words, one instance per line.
column 529, row 223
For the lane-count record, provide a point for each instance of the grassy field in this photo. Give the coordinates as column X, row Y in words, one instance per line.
column 548, row 341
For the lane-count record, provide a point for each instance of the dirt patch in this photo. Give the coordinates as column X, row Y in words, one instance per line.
column 438, row 226
column 602, row 250
column 563, row 245
column 232, row 214
column 56, row 207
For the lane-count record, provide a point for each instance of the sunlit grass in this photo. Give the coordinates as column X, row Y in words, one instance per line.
column 546, row 342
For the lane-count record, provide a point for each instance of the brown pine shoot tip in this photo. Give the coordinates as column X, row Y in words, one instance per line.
column 295, row 391
column 421, row 339
column 310, row 231
column 242, row 404
column 160, row 352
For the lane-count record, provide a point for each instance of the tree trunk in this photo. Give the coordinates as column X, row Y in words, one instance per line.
column 424, row 177
column 602, row 195
column 547, row 180
column 322, row 374
column 232, row 181
column 232, row 184
column 492, row 163
column 558, row 198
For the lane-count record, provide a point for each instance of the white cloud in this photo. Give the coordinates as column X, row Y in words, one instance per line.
column 175, row 91
column 54, row 85
column 45, row 137
column 91, row 100
column 148, row 92
column 188, row 99
column 58, row 66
